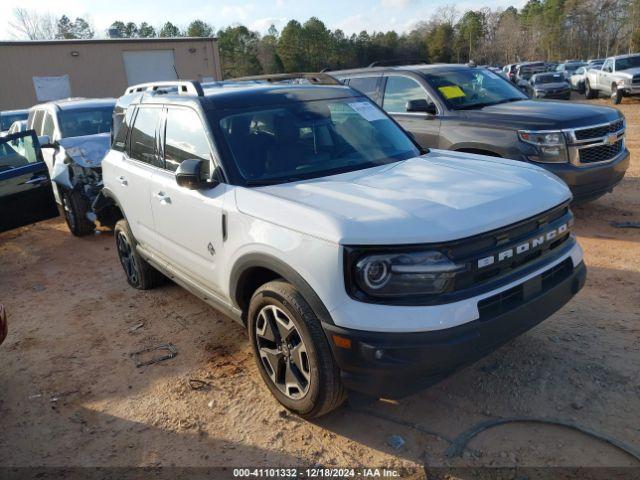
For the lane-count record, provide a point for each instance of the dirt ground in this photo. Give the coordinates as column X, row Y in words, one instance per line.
column 70, row 395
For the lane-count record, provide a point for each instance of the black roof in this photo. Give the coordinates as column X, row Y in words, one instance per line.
column 243, row 95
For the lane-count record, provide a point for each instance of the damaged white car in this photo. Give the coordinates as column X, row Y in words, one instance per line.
column 75, row 136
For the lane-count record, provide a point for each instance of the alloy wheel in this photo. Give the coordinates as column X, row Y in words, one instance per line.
column 126, row 258
column 282, row 351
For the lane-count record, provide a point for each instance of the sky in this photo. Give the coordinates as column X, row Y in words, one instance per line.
column 352, row 16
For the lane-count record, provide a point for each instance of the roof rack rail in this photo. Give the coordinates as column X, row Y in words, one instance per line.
column 394, row 62
column 189, row 87
column 315, row 78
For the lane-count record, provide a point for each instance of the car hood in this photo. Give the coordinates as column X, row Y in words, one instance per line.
column 438, row 197
column 551, row 86
column 87, row 151
column 630, row 72
column 542, row 115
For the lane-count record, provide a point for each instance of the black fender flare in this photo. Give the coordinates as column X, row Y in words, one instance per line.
column 282, row 269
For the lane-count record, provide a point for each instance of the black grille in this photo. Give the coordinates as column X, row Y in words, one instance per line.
column 636, row 79
column 598, row 132
column 600, row 153
column 470, row 252
column 512, row 298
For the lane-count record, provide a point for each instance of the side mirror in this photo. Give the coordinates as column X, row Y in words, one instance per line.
column 45, row 142
column 421, row 106
column 190, row 174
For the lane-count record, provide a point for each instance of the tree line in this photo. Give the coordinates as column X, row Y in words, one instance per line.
column 541, row 30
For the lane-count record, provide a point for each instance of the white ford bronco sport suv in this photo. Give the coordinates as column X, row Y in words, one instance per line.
column 357, row 262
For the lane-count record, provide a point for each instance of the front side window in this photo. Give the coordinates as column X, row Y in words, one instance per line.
column 78, row 122
column 185, row 138
column 468, row 88
column 607, row 67
column 17, row 152
column 399, row 91
column 143, row 136
column 302, row 140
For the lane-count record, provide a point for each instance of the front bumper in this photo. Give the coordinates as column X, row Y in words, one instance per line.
column 394, row 365
column 588, row 182
column 564, row 95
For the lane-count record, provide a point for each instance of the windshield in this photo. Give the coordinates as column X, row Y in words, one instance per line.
column 7, row 119
column 627, row 63
column 552, row 78
column 572, row 67
column 85, row 121
column 472, row 88
column 312, row 139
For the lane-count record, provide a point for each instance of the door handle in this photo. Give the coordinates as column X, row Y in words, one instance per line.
column 36, row 180
column 163, row 197
column 122, row 180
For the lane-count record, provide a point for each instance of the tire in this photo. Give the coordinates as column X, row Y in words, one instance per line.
column 75, row 209
column 139, row 273
column 616, row 95
column 278, row 310
column 588, row 92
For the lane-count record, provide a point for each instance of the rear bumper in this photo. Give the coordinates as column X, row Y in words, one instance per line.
column 394, row 365
column 590, row 182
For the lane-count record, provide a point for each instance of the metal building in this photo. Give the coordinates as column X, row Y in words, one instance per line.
column 38, row 71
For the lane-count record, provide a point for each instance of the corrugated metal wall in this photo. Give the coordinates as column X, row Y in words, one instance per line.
column 95, row 68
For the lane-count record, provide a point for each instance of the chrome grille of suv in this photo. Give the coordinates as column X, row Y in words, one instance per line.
column 599, row 131
column 596, row 143
column 600, row 153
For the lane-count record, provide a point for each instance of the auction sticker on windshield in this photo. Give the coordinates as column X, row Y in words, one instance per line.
column 367, row 111
column 452, row 91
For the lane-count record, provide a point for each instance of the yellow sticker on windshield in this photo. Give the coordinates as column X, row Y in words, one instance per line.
column 452, row 91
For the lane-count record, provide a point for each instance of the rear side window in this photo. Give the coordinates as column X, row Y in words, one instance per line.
column 367, row 85
column 185, row 138
column 143, row 136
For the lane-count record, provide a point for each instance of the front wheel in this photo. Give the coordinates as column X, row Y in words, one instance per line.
column 292, row 352
column 588, row 92
column 616, row 96
column 75, row 208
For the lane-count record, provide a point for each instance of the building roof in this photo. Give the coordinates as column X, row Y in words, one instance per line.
column 92, row 41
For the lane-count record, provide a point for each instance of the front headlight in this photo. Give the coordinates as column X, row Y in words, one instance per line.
column 401, row 274
column 551, row 145
column 620, row 83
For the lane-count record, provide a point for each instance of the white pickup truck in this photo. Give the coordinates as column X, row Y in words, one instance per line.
column 619, row 77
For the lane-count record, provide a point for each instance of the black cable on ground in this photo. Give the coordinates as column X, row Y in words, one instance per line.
column 460, row 442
